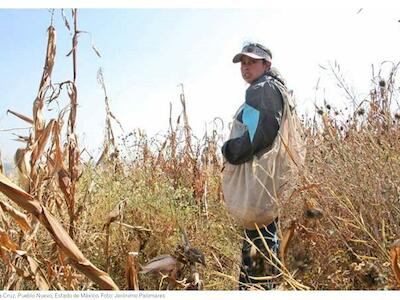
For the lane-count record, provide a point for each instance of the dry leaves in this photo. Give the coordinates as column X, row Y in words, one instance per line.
column 20, row 218
column 394, row 257
column 58, row 233
column 287, row 237
column 21, row 116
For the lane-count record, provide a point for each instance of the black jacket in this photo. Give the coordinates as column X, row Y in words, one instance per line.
column 261, row 114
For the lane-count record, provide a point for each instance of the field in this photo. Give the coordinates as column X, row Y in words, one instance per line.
column 69, row 223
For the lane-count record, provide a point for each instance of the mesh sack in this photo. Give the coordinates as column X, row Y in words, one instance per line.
column 252, row 190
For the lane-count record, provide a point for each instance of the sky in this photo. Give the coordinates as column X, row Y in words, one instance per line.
column 147, row 53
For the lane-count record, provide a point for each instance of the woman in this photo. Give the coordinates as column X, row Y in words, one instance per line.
column 254, row 131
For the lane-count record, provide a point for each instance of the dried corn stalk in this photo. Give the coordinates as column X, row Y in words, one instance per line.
column 109, row 134
column 40, row 143
column 30, row 165
column 116, row 214
column 188, row 137
column 73, row 150
column 132, row 271
column 38, row 118
column 60, row 236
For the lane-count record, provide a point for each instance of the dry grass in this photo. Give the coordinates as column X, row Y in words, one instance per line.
column 339, row 226
column 353, row 167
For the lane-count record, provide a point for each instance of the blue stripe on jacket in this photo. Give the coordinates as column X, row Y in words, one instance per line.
column 250, row 118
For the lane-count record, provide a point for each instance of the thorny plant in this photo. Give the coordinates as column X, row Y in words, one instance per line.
column 350, row 171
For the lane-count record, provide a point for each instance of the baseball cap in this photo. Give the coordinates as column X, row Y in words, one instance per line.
column 254, row 50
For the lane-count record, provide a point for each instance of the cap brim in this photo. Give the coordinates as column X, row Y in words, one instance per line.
column 238, row 56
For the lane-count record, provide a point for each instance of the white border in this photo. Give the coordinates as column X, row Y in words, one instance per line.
column 249, row 4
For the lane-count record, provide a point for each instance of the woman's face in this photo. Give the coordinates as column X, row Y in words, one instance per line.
column 252, row 68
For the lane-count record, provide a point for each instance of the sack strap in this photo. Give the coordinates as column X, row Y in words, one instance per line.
column 286, row 94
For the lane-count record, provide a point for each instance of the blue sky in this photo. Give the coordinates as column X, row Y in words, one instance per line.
column 147, row 53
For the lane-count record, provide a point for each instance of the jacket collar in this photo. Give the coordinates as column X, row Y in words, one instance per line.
column 262, row 78
column 273, row 72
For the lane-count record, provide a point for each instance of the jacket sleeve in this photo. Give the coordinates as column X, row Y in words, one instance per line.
column 262, row 114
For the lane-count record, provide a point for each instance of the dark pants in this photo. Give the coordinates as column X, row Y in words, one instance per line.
column 253, row 262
